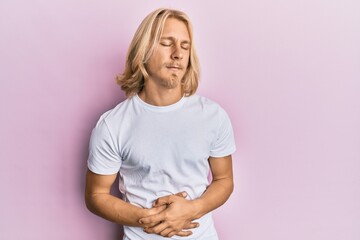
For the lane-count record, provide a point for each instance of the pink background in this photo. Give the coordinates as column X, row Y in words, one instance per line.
column 287, row 72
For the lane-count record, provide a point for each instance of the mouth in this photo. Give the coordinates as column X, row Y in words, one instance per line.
column 174, row 67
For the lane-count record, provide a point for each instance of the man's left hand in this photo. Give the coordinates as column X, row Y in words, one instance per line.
column 178, row 216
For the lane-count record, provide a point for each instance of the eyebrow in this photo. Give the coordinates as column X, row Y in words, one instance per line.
column 173, row 39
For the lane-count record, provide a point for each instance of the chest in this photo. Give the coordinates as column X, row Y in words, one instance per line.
column 166, row 140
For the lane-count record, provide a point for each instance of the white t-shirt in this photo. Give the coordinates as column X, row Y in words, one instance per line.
column 160, row 151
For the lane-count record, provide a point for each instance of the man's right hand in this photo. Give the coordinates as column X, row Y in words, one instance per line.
column 157, row 212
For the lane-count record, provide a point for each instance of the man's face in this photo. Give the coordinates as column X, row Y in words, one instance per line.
column 167, row 66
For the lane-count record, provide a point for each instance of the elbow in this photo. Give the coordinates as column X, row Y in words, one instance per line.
column 231, row 186
column 89, row 202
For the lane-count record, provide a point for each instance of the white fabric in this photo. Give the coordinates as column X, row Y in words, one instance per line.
column 160, row 151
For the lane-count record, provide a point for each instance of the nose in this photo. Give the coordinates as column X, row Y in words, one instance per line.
column 177, row 53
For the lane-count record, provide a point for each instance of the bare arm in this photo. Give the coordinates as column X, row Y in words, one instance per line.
column 100, row 202
column 181, row 211
column 220, row 188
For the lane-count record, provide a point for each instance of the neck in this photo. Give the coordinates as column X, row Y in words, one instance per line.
column 161, row 97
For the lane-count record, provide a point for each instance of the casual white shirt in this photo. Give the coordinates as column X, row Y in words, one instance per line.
column 160, row 151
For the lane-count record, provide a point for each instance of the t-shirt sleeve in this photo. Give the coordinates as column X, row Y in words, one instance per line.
column 224, row 142
column 103, row 155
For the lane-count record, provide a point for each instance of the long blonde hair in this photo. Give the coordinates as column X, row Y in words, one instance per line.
column 144, row 42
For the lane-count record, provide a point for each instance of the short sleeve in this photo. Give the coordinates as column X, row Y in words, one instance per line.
column 103, row 156
column 224, row 142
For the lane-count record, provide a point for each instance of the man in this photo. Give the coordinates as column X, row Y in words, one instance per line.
column 162, row 140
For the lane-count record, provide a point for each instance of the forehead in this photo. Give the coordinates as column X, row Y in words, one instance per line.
column 177, row 29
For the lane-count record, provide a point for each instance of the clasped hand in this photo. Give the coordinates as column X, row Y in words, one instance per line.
column 175, row 219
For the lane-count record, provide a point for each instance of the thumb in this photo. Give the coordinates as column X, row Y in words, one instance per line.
column 181, row 194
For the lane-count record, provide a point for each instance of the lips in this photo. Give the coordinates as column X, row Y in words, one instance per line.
column 174, row 66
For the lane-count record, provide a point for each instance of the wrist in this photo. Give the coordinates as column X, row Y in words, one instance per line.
column 198, row 208
column 138, row 214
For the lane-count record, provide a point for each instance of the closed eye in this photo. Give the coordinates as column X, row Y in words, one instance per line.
column 166, row 44
column 185, row 46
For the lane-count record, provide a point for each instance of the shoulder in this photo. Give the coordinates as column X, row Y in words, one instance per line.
column 205, row 104
column 202, row 101
column 115, row 114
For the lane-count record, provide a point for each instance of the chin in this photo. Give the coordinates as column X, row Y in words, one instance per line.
column 171, row 83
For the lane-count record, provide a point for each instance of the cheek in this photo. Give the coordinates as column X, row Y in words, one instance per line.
column 154, row 63
column 159, row 58
column 187, row 60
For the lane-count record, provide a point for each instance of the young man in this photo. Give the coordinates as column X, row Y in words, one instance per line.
column 162, row 140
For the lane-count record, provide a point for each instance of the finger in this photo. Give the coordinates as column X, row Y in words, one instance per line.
column 150, row 225
column 184, row 233
column 162, row 201
column 179, row 233
column 157, row 229
column 155, row 210
column 171, row 234
column 152, row 212
column 147, row 221
column 192, row 225
column 166, row 232
column 166, row 200
column 181, row 194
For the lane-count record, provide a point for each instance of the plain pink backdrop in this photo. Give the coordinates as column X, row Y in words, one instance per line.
column 287, row 72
